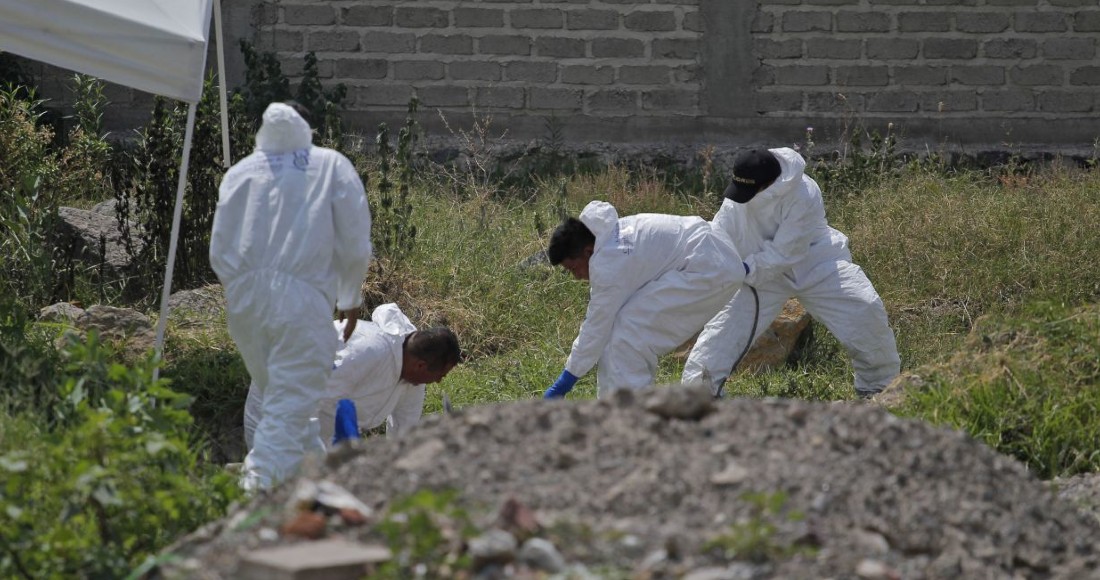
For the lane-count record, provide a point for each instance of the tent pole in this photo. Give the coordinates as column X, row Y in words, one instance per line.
column 162, row 320
column 219, row 41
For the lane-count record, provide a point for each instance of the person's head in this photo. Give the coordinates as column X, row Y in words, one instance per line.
column 571, row 246
column 302, row 111
column 429, row 354
column 754, row 170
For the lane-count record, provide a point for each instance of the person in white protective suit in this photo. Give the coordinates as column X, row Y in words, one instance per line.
column 774, row 214
column 655, row 280
column 291, row 241
column 381, row 372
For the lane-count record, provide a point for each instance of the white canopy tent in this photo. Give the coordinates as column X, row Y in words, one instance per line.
column 156, row 46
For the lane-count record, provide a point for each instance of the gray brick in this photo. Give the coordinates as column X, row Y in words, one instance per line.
column 1012, row 2
column 1087, row 21
column 617, row 48
column 1041, row 22
column 924, row 22
column 952, row 2
column 919, row 75
column 309, row 14
column 768, row 48
column 1008, row 100
column 555, row 99
column 833, row 48
column 852, row 21
column 446, row 44
column 368, row 16
column 499, row 97
column 415, row 17
column 560, row 47
column 520, row 45
column 986, row 22
column 893, row 102
column 807, row 21
column 443, row 96
column 537, row 18
column 892, row 48
column 693, row 22
column 950, row 48
column 1038, row 75
column 978, row 75
column 281, row 41
column 1086, row 75
column 834, row 102
column 478, row 17
column 295, row 66
column 801, row 75
column 679, row 48
column 765, row 75
column 335, row 41
column 1010, row 48
column 671, row 101
column 650, row 21
column 474, row 71
column 265, row 13
column 535, row 72
column 1069, row 48
column 587, row 75
column 779, row 102
column 763, row 22
column 949, row 101
column 592, row 20
column 830, row 2
column 1073, row 3
column 362, row 68
column 895, row 2
column 644, row 75
column 615, row 102
column 418, row 70
column 1067, row 102
column 687, row 74
column 862, row 76
column 383, row 95
column 391, row 42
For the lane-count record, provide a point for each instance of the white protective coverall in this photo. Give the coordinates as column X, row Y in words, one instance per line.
column 367, row 371
column 791, row 251
column 655, row 280
column 291, row 240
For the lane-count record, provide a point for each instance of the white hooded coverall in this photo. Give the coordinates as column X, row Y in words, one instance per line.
column 791, row 251
column 655, row 280
column 291, row 240
column 367, row 371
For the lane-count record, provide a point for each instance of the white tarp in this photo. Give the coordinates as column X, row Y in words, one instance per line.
column 157, row 46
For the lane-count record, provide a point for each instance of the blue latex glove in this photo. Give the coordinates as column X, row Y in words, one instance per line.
column 561, row 387
column 347, row 424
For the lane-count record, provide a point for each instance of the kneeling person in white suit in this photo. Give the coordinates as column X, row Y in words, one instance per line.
column 655, row 280
column 382, row 370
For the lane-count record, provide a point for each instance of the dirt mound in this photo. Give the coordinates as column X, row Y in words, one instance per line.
column 754, row 489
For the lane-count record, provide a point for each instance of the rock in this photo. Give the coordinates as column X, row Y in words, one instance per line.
column 517, row 519
column 875, row 570
column 329, row 559
column 199, row 303
column 542, row 555
column 687, row 402
column 65, row 312
column 894, row 393
column 775, row 346
column 733, row 474
column 494, row 547
column 95, row 240
column 421, row 457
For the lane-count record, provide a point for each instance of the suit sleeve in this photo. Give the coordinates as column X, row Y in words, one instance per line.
column 790, row 244
column 611, row 287
column 407, row 412
column 352, row 225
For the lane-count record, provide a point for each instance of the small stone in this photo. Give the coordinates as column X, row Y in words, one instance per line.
column 542, row 555
column 493, row 547
column 330, row 559
column 875, row 570
column 422, row 457
column 733, row 474
column 305, row 525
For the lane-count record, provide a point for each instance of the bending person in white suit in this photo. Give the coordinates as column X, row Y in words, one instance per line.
column 774, row 215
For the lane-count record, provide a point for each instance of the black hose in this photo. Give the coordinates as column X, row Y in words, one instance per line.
column 748, row 343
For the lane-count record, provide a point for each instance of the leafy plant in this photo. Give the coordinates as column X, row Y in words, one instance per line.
column 393, row 229
column 426, row 532
column 755, row 538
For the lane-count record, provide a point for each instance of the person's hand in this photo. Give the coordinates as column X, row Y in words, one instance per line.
column 352, row 317
column 561, row 387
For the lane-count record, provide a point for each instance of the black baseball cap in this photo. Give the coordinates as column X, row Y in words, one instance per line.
column 753, row 170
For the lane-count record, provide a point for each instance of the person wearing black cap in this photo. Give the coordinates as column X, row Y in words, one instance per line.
column 774, row 215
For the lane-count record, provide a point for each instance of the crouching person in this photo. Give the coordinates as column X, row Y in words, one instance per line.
column 378, row 376
column 655, row 280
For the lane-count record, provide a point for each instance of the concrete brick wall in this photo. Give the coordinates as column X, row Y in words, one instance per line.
column 972, row 73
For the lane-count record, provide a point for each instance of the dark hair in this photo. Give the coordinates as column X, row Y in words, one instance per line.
column 569, row 240
column 436, row 346
column 301, row 109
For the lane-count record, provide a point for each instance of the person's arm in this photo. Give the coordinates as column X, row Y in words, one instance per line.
column 611, row 288
column 352, row 224
column 407, row 412
column 789, row 245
